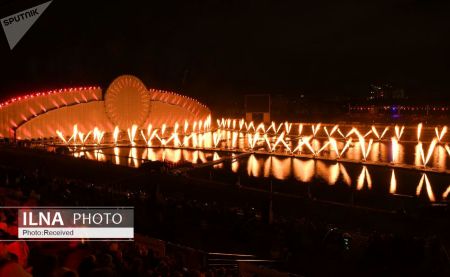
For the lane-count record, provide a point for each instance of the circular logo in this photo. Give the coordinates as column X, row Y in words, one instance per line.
column 127, row 102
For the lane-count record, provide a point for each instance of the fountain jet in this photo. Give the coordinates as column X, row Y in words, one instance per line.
column 399, row 132
column 116, row 134
column 419, row 131
column 440, row 135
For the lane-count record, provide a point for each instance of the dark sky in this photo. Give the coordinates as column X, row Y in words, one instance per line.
column 215, row 49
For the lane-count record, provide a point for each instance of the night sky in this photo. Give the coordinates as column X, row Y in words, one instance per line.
column 222, row 49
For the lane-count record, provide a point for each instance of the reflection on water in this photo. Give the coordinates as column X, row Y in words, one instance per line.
column 216, row 157
column 429, row 191
column 134, row 156
column 234, row 164
column 345, row 176
column 151, row 155
column 306, row 170
column 117, row 155
column 253, row 166
column 281, row 169
column 446, row 193
column 329, row 173
column 303, row 169
column 364, row 177
column 393, row 184
column 358, row 177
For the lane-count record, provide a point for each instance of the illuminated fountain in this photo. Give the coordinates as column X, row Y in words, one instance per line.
column 419, row 131
column 61, row 136
column 98, row 136
column 347, row 145
column 426, row 159
column 116, row 134
column 260, row 128
column 241, row 124
column 281, row 139
column 399, row 132
column 367, row 133
column 160, row 125
column 74, row 136
column 300, row 129
column 277, row 151
column 334, row 129
column 83, row 138
column 315, row 129
column 252, row 140
column 379, row 137
column 339, row 142
column 364, row 149
column 176, row 138
column 352, row 131
column 132, row 134
column 440, row 135
column 217, row 138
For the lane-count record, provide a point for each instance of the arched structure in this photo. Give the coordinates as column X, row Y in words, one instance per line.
column 126, row 102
